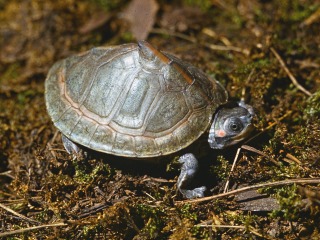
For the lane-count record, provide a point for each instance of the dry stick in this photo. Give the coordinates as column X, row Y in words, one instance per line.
column 314, row 17
column 232, row 168
column 7, row 174
column 251, row 229
column 249, row 148
column 49, row 144
column 18, row 214
column 194, row 40
column 221, row 226
column 292, row 78
column 248, row 188
column 252, row 149
column 4, row 234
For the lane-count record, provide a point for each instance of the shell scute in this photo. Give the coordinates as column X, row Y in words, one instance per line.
column 171, row 109
column 138, row 101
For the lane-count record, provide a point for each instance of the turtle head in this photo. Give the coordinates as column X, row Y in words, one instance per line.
column 231, row 124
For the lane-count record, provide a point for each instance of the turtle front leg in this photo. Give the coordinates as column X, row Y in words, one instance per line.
column 72, row 148
column 188, row 171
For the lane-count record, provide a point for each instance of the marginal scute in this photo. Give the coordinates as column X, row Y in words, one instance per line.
column 123, row 144
column 219, row 94
column 102, row 139
column 168, row 142
column 55, row 101
column 146, row 146
column 83, row 131
column 70, row 116
column 111, row 100
column 203, row 83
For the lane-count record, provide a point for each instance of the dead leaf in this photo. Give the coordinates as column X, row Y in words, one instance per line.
column 182, row 19
column 98, row 20
column 141, row 15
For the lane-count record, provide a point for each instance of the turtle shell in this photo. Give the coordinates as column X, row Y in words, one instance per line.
column 131, row 100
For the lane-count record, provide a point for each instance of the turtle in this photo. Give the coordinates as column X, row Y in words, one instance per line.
column 134, row 101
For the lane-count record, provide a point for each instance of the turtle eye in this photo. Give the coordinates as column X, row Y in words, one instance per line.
column 234, row 125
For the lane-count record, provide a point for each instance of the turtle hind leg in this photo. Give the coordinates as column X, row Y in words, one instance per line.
column 72, row 148
column 189, row 169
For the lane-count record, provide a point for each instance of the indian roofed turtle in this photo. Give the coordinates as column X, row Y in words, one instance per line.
column 137, row 102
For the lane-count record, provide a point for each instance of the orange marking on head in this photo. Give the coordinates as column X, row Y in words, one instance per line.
column 220, row 133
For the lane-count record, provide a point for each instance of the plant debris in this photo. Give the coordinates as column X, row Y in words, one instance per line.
column 265, row 52
column 141, row 15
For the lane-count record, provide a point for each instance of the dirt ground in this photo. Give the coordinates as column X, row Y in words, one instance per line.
column 265, row 52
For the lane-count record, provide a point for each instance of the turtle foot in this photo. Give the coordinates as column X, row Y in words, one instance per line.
column 189, row 169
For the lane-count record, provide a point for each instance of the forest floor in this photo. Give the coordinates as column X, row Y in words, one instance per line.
column 265, row 52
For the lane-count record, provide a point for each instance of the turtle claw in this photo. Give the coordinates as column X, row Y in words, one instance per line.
column 194, row 193
column 72, row 148
column 188, row 171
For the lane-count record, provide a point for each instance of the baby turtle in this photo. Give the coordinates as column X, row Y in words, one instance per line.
column 137, row 102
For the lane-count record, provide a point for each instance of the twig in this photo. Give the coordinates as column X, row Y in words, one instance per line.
column 232, row 168
column 50, row 143
column 314, row 17
column 7, row 174
column 249, row 148
column 4, row 234
column 251, row 229
column 194, row 40
column 248, row 188
column 174, row 34
column 252, row 149
column 220, row 226
column 292, row 78
column 224, row 48
column 18, row 214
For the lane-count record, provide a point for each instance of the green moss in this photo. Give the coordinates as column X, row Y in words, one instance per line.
column 257, row 65
column 221, row 168
column 86, row 173
column 108, row 5
column 25, row 96
column 187, row 212
column 312, row 110
column 290, row 203
column 295, row 10
column 153, row 219
column 204, row 5
column 11, row 72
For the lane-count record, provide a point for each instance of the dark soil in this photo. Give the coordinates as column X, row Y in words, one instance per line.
column 266, row 52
